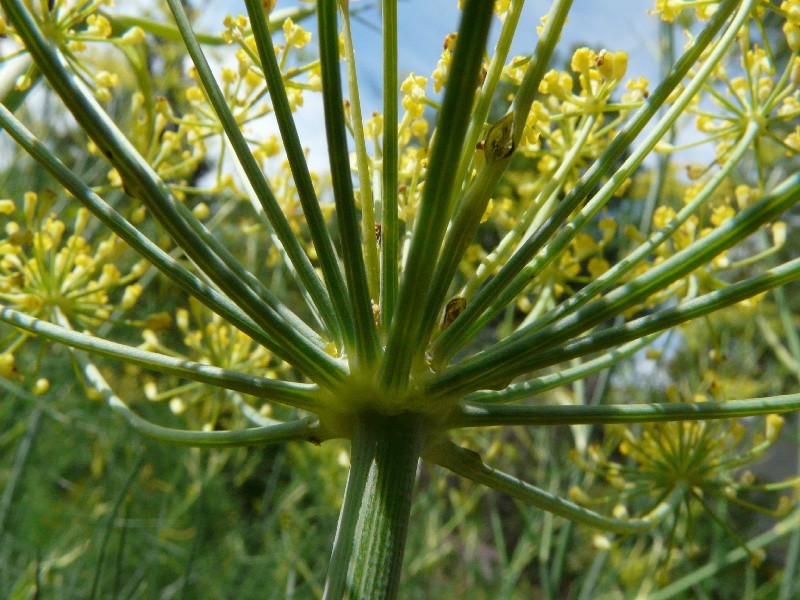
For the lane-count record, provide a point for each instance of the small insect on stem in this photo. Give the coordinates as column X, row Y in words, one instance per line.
column 378, row 232
column 499, row 141
column 451, row 312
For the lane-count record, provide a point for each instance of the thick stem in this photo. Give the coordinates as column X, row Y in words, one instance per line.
column 393, row 446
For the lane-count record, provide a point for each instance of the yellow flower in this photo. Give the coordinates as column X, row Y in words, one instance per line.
column 295, row 35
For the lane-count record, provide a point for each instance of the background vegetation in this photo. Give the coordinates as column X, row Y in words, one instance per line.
column 91, row 509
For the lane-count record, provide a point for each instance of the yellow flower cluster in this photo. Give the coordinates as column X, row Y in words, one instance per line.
column 563, row 109
column 756, row 90
column 708, row 459
column 46, row 270
column 210, row 340
column 75, row 26
column 176, row 146
column 669, row 10
column 443, row 66
column 59, row 272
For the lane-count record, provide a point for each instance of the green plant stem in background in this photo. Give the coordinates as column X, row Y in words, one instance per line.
column 18, row 466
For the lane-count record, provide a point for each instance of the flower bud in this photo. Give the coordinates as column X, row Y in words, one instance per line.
column 131, row 295
column 7, row 365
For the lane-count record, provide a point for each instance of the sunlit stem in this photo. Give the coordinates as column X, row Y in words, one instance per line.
column 484, row 102
column 283, row 229
column 533, row 216
column 367, row 348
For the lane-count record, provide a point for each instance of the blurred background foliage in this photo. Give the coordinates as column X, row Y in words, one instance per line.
column 89, row 509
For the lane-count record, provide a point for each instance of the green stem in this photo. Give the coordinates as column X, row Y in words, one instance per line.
column 392, row 446
column 390, row 230
column 534, row 215
column 301, row 429
column 361, row 455
column 469, row 464
column 111, row 518
column 484, row 103
column 432, row 217
column 527, row 389
column 666, row 39
column 481, row 415
column 121, row 23
column 529, row 88
column 367, row 348
column 459, row 235
column 614, row 336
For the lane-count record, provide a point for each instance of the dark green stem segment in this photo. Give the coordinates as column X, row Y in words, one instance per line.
column 379, row 537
